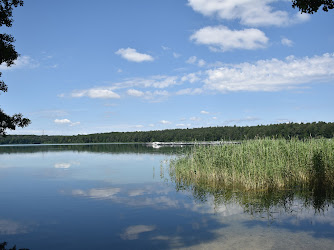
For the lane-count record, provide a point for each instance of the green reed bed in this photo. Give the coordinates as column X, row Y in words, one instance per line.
column 258, row 164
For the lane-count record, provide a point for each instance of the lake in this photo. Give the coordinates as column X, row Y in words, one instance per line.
column 120, row 196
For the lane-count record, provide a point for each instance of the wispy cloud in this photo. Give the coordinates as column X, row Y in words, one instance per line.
column 190, row 91
column 204, row 112
column 21, row 62
column 221, row 38
column 155, row 81
column 182, row 125
column 194, row 118
column 134, row 56
column 50, row 113
column 176, row 55
column 154, row 96
column 165, row 47
column 242, row 120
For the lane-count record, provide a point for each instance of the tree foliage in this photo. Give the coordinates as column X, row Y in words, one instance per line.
column 8, row 55
column 311, row 6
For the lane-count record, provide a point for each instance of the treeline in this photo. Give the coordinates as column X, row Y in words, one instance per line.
column 300, row 130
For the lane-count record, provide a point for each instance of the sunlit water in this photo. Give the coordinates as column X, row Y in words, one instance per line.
column 115, row 197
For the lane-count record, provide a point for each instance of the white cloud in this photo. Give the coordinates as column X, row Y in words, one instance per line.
column 283, row 121
column 249, row 12
column 156, row 81
column 271, row 75
column 201, row 63
column 214, row 118
column 241, row 120
column 66, row 121
column 103, row 93
column 134, row 92
column 205, row 112
column 192, row 77
column 165, row 122
column 221, row 38
column 74, row 124
column 287, row 42
column 301, row 17
column 263, row 75
column 191, row 60
column 190, row 91
column 138, row 126
column 176, row 55
column 165, row 48
column 194, row 118
column 154, row 96
column 194, row 60
column 133, row 56
column 183, row 125
column 62, row 121
column 20, row 62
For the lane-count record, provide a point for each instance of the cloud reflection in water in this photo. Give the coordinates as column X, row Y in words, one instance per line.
column 132, row 232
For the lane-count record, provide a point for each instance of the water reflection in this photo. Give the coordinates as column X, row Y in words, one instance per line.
column 112, row 201
column 102, row 193
column 9, row 227
column 132, row 232
column 271, row 204
column 112, row 148
column 66, row 165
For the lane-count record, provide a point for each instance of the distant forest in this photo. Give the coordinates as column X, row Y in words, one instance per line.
column 300, row 130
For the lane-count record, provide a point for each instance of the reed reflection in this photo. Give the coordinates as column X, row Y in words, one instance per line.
column 271, row 203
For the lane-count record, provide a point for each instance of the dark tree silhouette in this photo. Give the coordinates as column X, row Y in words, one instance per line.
column 311, row 6
column 8, row 55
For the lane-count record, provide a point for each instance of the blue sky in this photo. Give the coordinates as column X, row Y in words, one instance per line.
column 102, row 66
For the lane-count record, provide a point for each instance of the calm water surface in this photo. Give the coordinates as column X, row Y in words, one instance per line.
column 119, row 197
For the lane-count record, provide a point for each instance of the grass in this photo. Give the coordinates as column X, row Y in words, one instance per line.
column 260, row 164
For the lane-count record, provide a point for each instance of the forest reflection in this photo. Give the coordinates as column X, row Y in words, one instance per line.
column 111, row 148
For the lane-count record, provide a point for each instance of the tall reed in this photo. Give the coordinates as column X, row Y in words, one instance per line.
column 258, row 164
